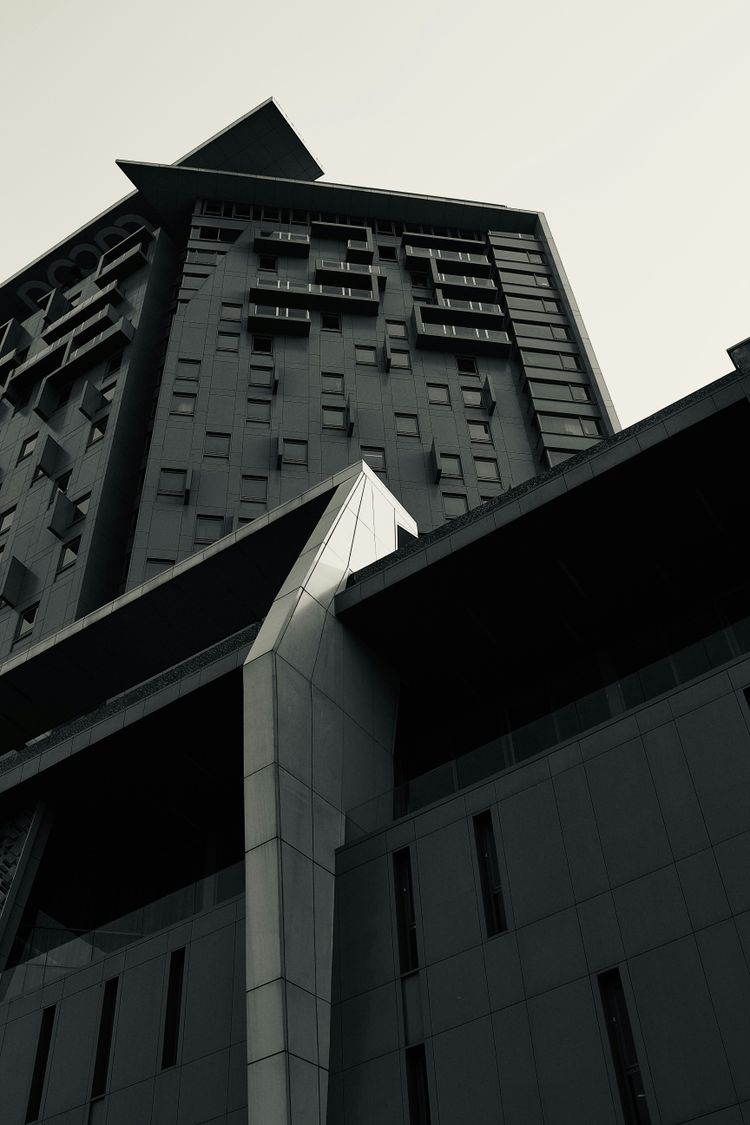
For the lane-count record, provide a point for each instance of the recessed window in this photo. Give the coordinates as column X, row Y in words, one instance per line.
column 6, row 520
column 334, row 417
column 365, row 355
column 258, row 410
column 231, row 311
column 420, row 280
column 374, row 457
column 407, row 425
column 294, row 452
column 332, row 383
column 216, row 444
column 189, row 369
column 27, row 448
column 68, row 555
column 254, row 489
column 172, row 482
column 450, row 465
column 81, row 507
column 479, row 431
column 489, row 874
column 438, row 395
column 26, row 619
column 486, row 468
column 156, row 566
column 472, row 396
column 560, row 392
column 466, row 365
column 208, row 528
column 569, row 425
column 400, row 358
column 395, row 329
column 267, row 263
column 384, row 226
column 228, row 341
column 330, row 322
column 60, row 485
column 263, row 344
column 108, row 392
column 261, row 376
column 454, row 505
column 114, row 364
column 387, row 253
column 182, row 404
column 97, row 431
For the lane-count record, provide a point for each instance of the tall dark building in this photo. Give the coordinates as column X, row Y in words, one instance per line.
column 374, row 725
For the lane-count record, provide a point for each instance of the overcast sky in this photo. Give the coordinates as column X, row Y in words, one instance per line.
column 627, row 125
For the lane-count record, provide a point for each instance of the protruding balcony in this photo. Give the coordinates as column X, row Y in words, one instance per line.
column 66, row 323
column 276, row 320
column 123, row 259
column 463, row 286
column 354, row 274
column 451, row 310
column 442, row 242
column 324, row 298
column 361, row 250
column 454, row 338
column 282, row 243
column 449, row 261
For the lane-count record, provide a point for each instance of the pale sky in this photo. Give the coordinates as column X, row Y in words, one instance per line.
column 627, row 125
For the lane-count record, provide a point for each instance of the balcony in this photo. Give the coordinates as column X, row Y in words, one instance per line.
column 277, row 321
column 360, row 251
column 93, row 348
column 463, row 286
column 355, row 274
column 472, row 314
column 442, row 242
column 324, row 298
column 329, row 228
column 449, row 261
column 96, row 339
column 282, row 243
column 130, row 261
column 454, row 337
column 110, row 294
column 35, row 368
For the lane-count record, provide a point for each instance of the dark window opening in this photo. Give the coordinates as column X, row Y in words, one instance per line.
column 416, row 1083
column 406, row 919
column 41, row 1059
column 489, row 874
column 622, row 1045
column 104, row 1039
column 174, row 1009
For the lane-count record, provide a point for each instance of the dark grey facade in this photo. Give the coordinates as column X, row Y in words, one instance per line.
column 373, row 714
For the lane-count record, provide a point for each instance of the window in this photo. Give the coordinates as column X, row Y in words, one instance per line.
column 330, row 322
column 115, row 363
column 466, row 365
column 230, row 311
column 332, row 383
column 294, row 452
column 561, row 392
column 387, row 253
column 41, row 1059
column 68, row 555
column 489, row 874
column 216, row 444
column 486, row 468
column 454, row 505
column 334, row 418
column 406, row 920
column 228, row 341
column 374, row 457
column 395, row 329
column 182, row 404
column 60, row 485
column 208, row 528
column 26, row 619
column 27, row 448
column 450, row 464
column 384, row 226
column 407, row 425
column 172, row 482
column 156, row 566
column 267, row 263
column 420, row 280
column 557, row 360
column 97, row 431
column 189, row 369
column 365, row 355
column 258, row 410
column 261, row 376
column 81, row 508
column 400, row 359
column 104, row 1039
column 472, row 396
column 569, row 425
column 479, row 431
column 254, row 488
column 622, row 1045
column 437, row 393
column 171, row 1036
column 108, row 392
column 263, row 344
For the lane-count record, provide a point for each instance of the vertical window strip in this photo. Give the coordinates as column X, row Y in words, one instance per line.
column 416, row 1084
column 489, row 874
column 174, row 1009
column 405, row 914
column 104, row 1039
column 622, row 1045
column 41, row 1059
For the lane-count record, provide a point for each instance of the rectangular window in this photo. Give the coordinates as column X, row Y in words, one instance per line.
column 228, row 341
column 406, row 919
column 68, row 555
column 259, row 410
column 263, row 345
column 450, row 465
column 230, row 311
column 407, row 425
column 97, row 431
column 416, row 1085
column 561, row 392
column 254, row 489
column 472, row 396
column 295, row 452
column 438, row 394
column 479, row 431
column 569, row 425
column 26, row 619
column 104, row 1039
column 81, row 507
column 454, row 505
column 156, row 566
column 489, row 874
column 486, row 468
column 183, row 404
column 27, row 448
column 332, row 383
column 374, row 457
column 334, row 418
column 108, row 392
column 189, row 369
column 420, row 280
column 622, row 1045
column 365, row 355
column 387, row 253
column 216, row 444
column 395, row 329
column 557, row 360
column 171, row 1039
column 172, row 482
column 400, row 359
column 466, row 365
column 330, row 322
column 208, row 528
column 6, row 520
column 267, row 263
column 41, row 1058
column 261, row 376
column 114, row 364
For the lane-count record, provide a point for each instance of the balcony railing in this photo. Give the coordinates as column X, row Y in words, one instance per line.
column 461, row 285
column 282, row 242
column 357, row 274
column 130, row 261
column 449, row 261
column 110, row 294
column 458, row 337
column 442, row 242
column 277, row 320
column 482, row 314
column 336, row 298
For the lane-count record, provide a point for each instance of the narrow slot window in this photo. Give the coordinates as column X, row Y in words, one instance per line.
column 104, row 1039
column 622, row 1045
column 40, row 1064
column 174, row 1009
column 416, row 1083
column 405, row 915
column 489, row 874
